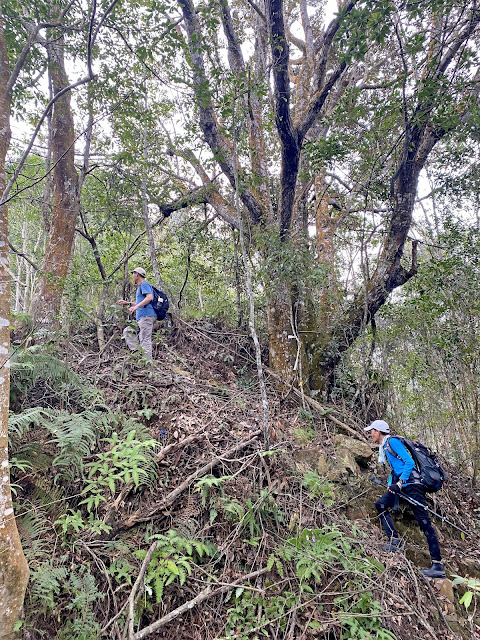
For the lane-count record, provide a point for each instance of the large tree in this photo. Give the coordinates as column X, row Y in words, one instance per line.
column 320, row 130
column 20, row 61
column 13, row 565
column 66, row 195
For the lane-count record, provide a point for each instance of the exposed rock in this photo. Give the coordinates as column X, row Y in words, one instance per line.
column 346, row 462
column 337, row 475
column 469, row 567
column 356, row 513
column 361, row 451
column 322, row 466
column 446, row 589
column 309, row 459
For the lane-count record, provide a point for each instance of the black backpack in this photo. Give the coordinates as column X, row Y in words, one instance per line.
column 428, row 470
column 160, row 303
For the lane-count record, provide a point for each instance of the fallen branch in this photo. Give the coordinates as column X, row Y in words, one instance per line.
column 316, row 405
column 161, row 455
column 187, row 606
column 151, row 512
column 131, row 597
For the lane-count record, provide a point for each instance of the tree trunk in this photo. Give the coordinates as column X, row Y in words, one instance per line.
column 282, row 347
column 14, row 571
column 65, row 196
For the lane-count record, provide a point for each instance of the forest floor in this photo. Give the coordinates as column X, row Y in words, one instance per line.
column 219, row 538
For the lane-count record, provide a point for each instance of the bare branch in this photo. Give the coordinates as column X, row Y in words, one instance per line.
column 220, row 146
column 187, row 606
column 22, row 255
column 255, row 6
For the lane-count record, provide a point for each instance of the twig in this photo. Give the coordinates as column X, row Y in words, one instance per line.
column 131, row 597
column 102, row 566
column 187, row 606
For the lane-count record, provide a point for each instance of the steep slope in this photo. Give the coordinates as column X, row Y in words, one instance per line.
column 168, row 519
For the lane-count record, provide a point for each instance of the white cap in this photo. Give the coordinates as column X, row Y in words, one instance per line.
column 140, row 271
column 378, row 425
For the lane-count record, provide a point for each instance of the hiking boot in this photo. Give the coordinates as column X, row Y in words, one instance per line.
column 393, row 545
column 437, row 570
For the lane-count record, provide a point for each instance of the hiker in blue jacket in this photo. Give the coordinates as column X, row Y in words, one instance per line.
column 404, row 479
column 144, row 312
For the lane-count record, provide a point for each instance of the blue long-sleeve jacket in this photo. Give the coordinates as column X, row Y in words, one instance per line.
column 402, row 467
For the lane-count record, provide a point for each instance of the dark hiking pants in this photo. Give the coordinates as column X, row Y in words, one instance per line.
column 416, row 492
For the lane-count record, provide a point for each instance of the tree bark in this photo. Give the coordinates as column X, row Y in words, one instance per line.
column 66, row 198
column 14, row 571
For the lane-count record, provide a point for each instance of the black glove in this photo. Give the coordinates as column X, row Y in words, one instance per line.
column 396, row 488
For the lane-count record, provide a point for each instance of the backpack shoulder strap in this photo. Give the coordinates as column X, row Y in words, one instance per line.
column 390, row 450
column 388, row 447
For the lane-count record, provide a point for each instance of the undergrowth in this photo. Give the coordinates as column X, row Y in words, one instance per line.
column 84, row 460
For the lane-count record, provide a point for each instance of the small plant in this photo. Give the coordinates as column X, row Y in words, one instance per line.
column 256, row 511
column 125, row 460
column 314, row 550
column 318, row 487
column 304, row 435
column 243, row 616
column 173, row 559
column 73, row 522
column 361, row 618
column 472, row 585
column 206, row 484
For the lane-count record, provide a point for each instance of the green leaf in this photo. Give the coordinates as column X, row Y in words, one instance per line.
column 466, row 599
column 171, row 566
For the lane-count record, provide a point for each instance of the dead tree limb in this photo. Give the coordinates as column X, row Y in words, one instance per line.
column 153, row 510
column 187, row 606
column 138, row 581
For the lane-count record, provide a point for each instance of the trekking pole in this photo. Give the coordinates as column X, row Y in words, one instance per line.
column 419, row 504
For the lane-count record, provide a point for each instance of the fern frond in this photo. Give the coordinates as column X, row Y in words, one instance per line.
column 83, row 585
column 33, row 528
column 30, row 366
column 20, row 423
column 46, row 583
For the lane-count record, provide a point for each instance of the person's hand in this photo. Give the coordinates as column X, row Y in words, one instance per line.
column 132, row 309
column 396, row 488
column 122, row 302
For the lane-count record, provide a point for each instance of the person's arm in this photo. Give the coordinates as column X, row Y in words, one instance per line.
column 124, row 302
column 402, row 452
column 148, row 298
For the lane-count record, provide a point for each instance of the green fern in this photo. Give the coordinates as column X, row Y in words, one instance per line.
column 84, row 628
column 83, row 587
column 33, row 528
column 20, row 423
column 173, row 560
column 74, row 434
column 45, row 586
column 31, row 366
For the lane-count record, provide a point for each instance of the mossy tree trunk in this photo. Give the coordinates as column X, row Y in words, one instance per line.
column 14, row 571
